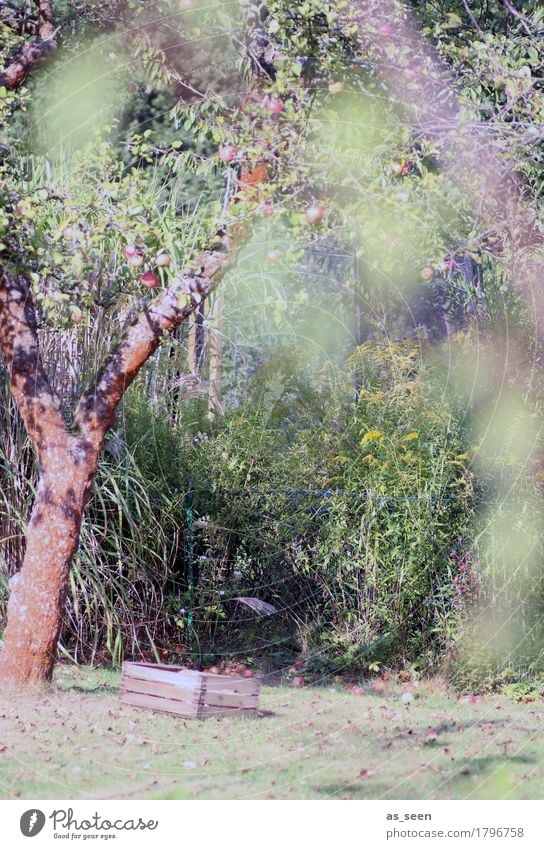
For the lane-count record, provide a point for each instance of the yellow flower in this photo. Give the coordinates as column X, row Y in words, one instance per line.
column 372, row 436
column 411, row 436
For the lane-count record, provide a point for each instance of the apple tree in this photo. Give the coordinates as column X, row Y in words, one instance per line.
column 90, row 227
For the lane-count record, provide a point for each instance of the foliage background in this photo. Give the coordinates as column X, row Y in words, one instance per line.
column 359, row 477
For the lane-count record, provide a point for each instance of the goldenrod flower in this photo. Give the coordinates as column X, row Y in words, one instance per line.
column 372, row 436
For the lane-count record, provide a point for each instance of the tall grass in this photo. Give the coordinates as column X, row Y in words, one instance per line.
column 130, row 546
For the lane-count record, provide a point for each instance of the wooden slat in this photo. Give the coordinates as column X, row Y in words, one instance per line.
column 131, row 666
column 156, row 703
column 223, row 683
column 168, row 668
column 232, row 687
column 184, row 679
column 207, row 710
column 169, row 681
column 159, row 688
column 234, row 700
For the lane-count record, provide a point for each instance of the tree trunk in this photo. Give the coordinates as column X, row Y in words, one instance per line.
column 33, row 53
column 38, row 591
column 196, row 339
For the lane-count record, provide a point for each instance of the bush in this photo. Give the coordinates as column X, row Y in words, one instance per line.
column 500, row 633
column 341, row 512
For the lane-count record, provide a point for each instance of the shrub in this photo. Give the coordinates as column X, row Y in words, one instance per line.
column 340, row 511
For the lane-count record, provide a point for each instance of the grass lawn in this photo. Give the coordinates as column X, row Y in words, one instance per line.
column 77, row 742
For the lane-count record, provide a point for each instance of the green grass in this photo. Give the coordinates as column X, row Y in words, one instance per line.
column 76, row 742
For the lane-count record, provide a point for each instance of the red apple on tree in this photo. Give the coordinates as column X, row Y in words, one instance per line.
column 228, row 152
column 386, row 29
column 427, row 273
column 266, row 209
column 446, row 266
column 273, row 105
column 395, row 168
column 273, row 255
column 314, row 214
column 24, row 208
column 150, row 280
column 335, row 87
column 76, row 314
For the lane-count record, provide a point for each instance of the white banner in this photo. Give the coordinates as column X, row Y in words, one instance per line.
column 263, row 824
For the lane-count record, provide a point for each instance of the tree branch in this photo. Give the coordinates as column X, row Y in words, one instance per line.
column 517, row 14
column 16, row 19
column 34, row 53
column 95, row 412
column 472, row 17
column 260, row 48
column 38, row 404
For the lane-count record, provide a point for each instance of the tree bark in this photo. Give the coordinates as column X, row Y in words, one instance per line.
column 38, row 591
column 33, row 53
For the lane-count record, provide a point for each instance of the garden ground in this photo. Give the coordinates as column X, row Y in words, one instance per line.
column 77, row 742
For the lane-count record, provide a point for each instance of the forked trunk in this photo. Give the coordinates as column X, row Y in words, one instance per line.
column 38, row 591
column 68, row 463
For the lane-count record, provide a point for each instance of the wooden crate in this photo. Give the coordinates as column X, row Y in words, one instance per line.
column 187, row 693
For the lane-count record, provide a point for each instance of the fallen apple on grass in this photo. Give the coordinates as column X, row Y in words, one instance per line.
column 150, row 280
column 163, row 259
